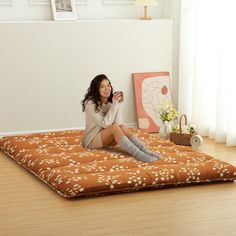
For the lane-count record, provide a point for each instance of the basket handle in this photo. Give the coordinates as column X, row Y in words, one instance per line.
column 180, row 122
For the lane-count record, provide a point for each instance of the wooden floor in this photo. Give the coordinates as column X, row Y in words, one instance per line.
column 30, row 208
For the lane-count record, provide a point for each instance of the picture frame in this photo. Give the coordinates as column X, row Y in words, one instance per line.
column 150, row 90
column 63, row 9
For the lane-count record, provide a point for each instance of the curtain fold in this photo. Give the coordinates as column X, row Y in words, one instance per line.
column 207, row 78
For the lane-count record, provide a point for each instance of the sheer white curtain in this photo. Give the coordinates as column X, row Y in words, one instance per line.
column 207, row 80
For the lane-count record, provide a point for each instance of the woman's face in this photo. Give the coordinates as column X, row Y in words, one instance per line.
column 105, row 89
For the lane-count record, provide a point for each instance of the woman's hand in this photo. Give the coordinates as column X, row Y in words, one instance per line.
column 117, row 97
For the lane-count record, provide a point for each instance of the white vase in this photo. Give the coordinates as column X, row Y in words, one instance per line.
column 165, row 130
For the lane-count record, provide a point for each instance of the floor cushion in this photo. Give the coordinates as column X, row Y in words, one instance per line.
column 59, row 160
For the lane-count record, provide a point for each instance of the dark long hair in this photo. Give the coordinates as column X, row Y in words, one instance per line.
column 93, row 92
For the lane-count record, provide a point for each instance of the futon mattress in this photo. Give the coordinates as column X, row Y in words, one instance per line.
column 59, row 160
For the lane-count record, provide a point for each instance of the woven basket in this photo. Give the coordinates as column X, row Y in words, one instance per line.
column 180, row 138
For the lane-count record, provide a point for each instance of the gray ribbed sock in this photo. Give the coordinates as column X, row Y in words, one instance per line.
column 142, row 147
column 128, row 146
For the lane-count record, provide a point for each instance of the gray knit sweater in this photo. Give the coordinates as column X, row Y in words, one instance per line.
column 108, row 114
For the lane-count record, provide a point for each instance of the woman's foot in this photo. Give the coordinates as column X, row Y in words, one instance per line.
column 144, row 148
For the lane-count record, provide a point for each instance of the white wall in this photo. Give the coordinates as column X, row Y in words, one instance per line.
column 40, row 10
column 46, row 67
column 87, row 9
column 172, row 11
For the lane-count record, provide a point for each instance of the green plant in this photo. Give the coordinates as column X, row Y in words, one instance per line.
column 186, row 129
column 167, row 112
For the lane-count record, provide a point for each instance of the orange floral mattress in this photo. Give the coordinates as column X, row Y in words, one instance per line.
column 59, row 160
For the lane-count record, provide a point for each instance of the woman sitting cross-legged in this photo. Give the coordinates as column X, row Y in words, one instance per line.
column 104, row 125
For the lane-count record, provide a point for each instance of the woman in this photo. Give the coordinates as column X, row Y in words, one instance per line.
column 104, row 125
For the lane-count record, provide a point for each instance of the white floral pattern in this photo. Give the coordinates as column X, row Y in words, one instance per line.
column 59, row 160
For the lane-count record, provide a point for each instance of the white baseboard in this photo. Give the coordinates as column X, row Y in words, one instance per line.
column 37, row 131
column 130, row 125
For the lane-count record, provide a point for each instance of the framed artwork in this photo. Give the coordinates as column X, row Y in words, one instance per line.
column 150, row 90
column 64, row 10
